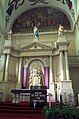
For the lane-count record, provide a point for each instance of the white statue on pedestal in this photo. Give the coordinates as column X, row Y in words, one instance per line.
column 10, row 35
column 36, row 35
column 61, row 30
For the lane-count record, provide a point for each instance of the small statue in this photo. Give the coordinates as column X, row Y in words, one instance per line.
column 10, row 35
column 36, row 35
column 36, row 76
column 61, row 30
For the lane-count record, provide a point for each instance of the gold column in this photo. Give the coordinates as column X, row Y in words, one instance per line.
column 6, row 68
column 20, row 68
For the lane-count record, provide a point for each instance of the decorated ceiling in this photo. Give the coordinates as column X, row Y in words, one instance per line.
column 46, row 14
column 45, row 18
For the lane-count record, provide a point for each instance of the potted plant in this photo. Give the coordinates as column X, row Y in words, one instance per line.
column 58, row 111
column 52, row 113
column 69, row 112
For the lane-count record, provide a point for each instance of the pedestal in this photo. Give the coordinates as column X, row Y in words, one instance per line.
column 6, row 76
column 65, row 91
column 36, row 39
column 62, row 38
column 51, row 91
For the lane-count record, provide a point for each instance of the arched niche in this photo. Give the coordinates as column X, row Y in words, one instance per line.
column 35, row 76
column 45, row 61
column 35, row 69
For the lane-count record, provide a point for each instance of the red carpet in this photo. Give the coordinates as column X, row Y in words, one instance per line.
column 10, row 110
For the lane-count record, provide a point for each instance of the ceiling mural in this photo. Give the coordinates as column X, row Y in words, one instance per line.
column 34, row 2
column 45, row 18
column 12, row 5
column 68, row 2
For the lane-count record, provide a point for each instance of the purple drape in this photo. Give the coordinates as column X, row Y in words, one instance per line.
column 46, row 76
column 24, row 77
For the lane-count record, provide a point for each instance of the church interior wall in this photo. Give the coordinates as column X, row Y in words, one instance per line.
column 76, row 37
column 36, row 54
column 6, row 91
column 13, row 69
column 74, row 76
column 48, row 39
column 71, row 46
column 77, row 7
column 11, row 80
column 45, row 37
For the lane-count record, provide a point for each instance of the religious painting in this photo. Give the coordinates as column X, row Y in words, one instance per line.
column 36, row 74
column 44, row 18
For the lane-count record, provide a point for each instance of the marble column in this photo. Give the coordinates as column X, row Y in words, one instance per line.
column 20, row 68
column 51, row 70
column 6, row 68
column 51, row 82
column 66, row 64
column 61, row 66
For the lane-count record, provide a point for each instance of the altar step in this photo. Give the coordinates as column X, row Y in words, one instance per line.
column 22, row 110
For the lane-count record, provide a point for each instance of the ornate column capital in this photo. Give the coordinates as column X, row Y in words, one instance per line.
column 62, row 45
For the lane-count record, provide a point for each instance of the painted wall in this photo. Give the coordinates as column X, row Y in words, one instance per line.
column 77, row 7
column 76, row 35
column 13, row 68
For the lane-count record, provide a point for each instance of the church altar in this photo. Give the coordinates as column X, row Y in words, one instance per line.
column 36, row 94
column 20, row 91
column 20, row 95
